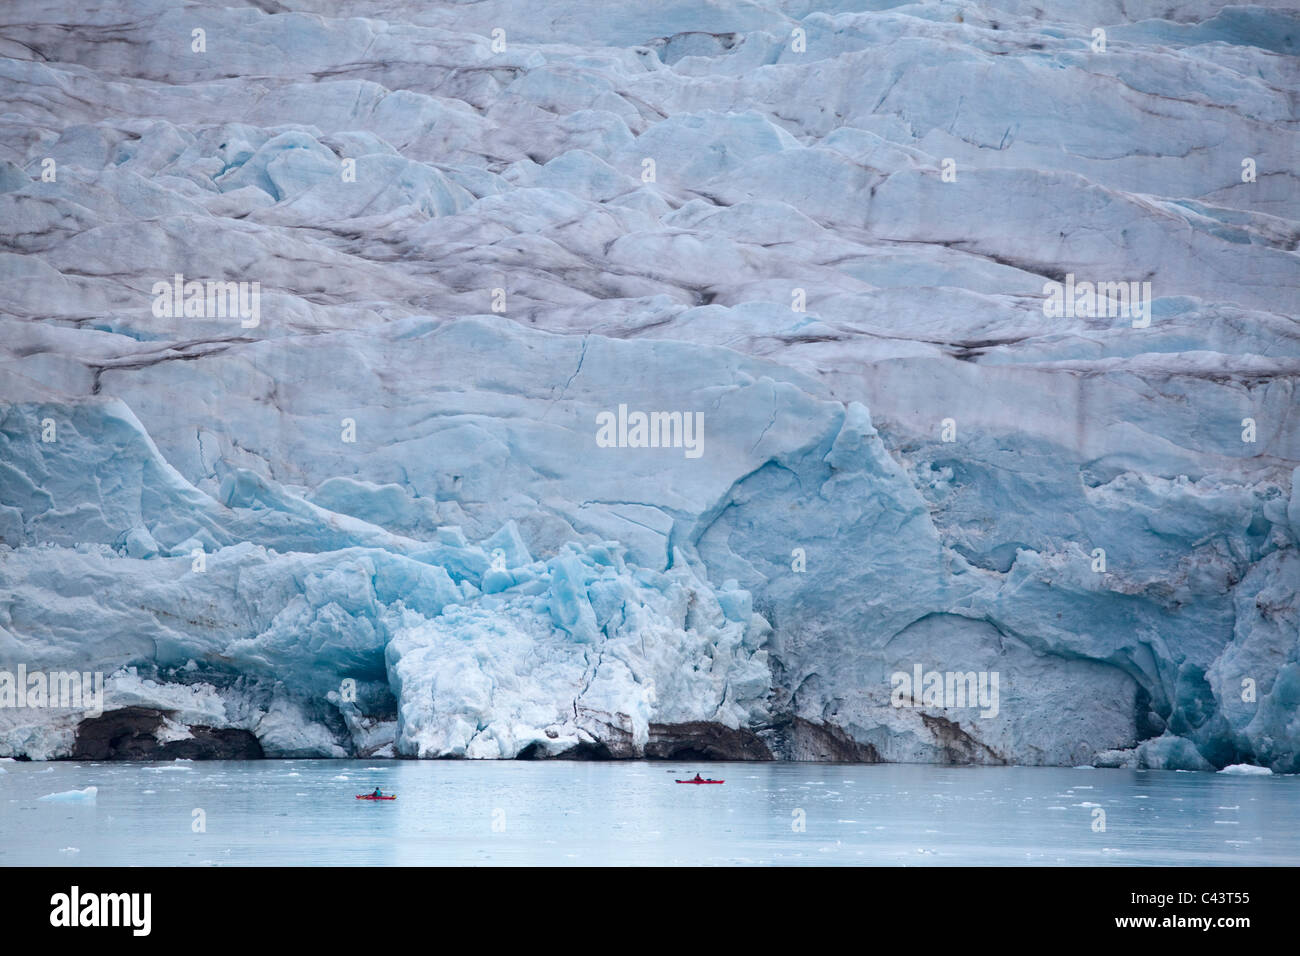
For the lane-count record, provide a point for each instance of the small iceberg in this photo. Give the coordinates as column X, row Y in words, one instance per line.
column 73, row 796
column 1247, row 769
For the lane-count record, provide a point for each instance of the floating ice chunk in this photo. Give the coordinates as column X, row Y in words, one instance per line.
column 72, row 796
column 1246, row 770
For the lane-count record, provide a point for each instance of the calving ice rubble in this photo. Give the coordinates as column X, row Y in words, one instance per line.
column 581, row 652
column 356, row 361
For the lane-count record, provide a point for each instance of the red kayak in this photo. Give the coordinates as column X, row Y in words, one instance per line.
column 701, row 781
column 371, row 796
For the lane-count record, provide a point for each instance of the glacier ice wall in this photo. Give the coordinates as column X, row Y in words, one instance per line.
column 380, row 518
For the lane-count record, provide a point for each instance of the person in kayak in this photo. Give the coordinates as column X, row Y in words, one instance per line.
column 377, row 793
column 698, row 778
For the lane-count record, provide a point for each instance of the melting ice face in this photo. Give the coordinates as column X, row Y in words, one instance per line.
column 362, row 405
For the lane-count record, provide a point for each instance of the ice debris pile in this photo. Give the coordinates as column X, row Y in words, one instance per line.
column 359, row 501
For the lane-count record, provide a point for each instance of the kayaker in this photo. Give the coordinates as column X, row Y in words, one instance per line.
column 698, row 778
column 377, row 793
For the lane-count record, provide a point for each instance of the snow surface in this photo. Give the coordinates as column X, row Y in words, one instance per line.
column 491, row 579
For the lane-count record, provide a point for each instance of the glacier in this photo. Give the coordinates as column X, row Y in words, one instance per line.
column 378, row 521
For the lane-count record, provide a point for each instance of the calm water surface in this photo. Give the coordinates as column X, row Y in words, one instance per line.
column 556, row 813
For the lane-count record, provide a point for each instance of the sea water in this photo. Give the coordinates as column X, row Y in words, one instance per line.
column 304, row 812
